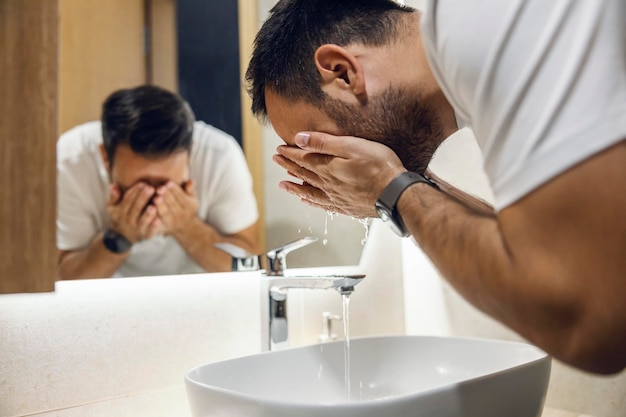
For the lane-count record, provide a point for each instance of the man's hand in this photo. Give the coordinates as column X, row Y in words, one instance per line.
column 176, row 206
column 129, row 215
column 340, row 174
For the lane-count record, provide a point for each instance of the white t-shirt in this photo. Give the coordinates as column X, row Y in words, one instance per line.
column 222, row 182
column 541, row 83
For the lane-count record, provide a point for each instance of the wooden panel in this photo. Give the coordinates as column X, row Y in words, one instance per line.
column 28, row 129
column 163, row 51
column 102, row 50
column 251, row 129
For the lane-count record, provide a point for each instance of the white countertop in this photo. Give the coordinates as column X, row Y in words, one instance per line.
column 551, row 412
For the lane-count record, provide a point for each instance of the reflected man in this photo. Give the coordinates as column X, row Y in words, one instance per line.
column 149, row 191
column 542, row 85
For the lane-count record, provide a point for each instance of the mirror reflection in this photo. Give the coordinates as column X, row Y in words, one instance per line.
column 148, row 191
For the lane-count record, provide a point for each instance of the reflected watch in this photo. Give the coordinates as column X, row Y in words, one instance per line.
column 115, row 242
column 386, row 205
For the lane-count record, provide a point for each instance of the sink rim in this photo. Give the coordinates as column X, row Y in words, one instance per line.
column 541, row 357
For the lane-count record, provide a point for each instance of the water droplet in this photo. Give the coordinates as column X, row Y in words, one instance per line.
column 366, row 223
column 325, row 242
column 326, row 223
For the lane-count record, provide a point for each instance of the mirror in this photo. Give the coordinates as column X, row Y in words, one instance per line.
column 95, row 63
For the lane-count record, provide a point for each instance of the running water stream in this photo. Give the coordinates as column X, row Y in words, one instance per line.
column 346, row 304
column 346, row 343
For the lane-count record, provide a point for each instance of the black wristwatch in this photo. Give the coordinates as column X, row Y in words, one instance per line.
column 386, row 203
column 115, row 242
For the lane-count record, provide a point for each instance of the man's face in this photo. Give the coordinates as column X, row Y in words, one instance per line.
column 395, row 118
column 130, row 168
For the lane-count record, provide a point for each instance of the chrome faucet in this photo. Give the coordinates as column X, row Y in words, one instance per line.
column 277, row 258
column 277, row 284
column 278, row 325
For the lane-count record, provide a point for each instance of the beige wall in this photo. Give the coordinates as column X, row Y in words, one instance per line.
column 102, row 49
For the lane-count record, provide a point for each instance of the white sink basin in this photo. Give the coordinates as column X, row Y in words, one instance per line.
column 394, row 376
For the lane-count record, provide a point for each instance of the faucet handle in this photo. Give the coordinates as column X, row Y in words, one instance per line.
column 241, row 259
column 277, row 258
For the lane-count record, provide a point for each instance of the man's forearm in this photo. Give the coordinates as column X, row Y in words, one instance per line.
column 95, row 261
column 463, row 243
column 551, row 265
column 470, row 251
column 198, row 239
column 469, row 201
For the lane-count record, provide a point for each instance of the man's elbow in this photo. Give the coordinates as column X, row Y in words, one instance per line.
column 598, row 360
column 62, row 269
column 596, row 347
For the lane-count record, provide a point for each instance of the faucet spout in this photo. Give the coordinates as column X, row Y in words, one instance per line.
column 278, row 286
column 274, row 314
column 277, row 258
column 342, row 283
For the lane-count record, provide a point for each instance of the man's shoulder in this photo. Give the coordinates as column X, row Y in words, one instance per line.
column 215, row 154
column 84, row 138
column 209, row 140
column 210, row 135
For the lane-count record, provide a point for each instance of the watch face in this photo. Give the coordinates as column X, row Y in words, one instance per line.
column 386, row 203
column 383, row 213
column 116, row 243
column 386, row 216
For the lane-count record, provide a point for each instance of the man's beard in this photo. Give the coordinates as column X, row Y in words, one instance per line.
column 396, row 118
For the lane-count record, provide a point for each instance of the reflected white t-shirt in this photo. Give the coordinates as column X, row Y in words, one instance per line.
column 222, row 182
column 541, row 83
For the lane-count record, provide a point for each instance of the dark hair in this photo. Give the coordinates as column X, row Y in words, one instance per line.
column 152, row 121
column 284, row 48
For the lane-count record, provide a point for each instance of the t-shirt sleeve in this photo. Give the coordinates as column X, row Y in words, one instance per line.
column 232, row 206
column 76, row 224
column 539, row 101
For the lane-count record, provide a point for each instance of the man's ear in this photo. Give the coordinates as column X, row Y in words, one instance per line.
column 340, row 70
column 105, row 158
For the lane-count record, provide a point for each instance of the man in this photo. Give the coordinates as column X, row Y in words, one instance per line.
column 542, row 84
column 148, row 191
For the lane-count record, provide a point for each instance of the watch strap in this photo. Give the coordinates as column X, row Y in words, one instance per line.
column 392, row 192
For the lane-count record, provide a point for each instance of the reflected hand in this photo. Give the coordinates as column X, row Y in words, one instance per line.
column 342, row 174
column 176, row 206
column 128, row 214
